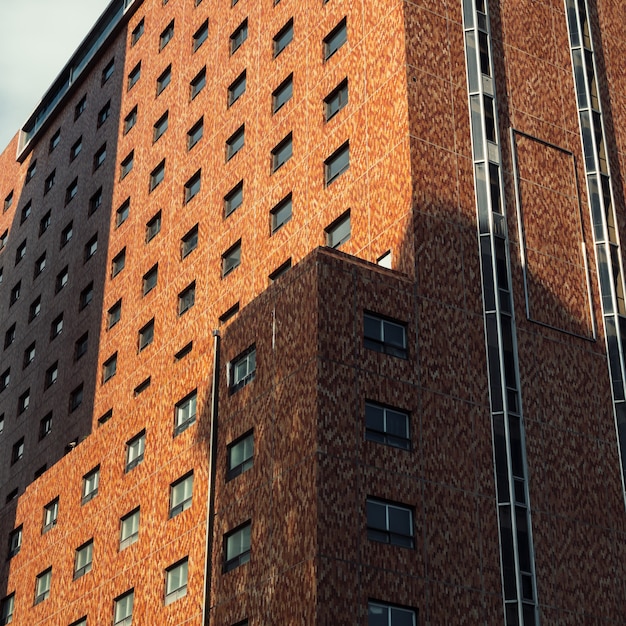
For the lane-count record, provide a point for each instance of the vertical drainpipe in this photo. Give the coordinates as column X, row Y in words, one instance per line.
column 206, row 605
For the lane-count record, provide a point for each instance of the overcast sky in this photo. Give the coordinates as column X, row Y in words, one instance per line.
column 38, row 38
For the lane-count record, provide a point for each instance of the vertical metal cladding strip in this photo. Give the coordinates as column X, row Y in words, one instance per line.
column 509, row 449
column 601, row 206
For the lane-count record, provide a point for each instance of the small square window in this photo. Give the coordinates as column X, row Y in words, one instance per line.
column 95, row 202
column 129, row 529
column 198, row 82
column 130, row 120
column 123, row 612
column 239, row 36
column 109, row 368
column 114, row 314
column 201, row 35
column 383, row 614
column 176, row 581
column 121, row 215
column 384, row 335
column 118, row 262
column 127, row 165
column 282, row 152
column 134, row 76
column 387, row 425
column 283, row 38
column 49, row 182
column 160, row 126
column 181, row 492
column 45, row 426
column 15, row 293
column 91, row 247
column 187, row 298
column 99, row 157
column 86, row 296
column 339, row 231
column 104, row 113
column 50, row 515
column 80, row 346
column 166, row 35
column 31, row 171
column 61, row 279
column 146, row 335
column 42, row 585
column 137, row 32
column 26, row 211
column 283, row 268
column 34, row 310
column 80, row 107
column 237, row 88
column 282, row 94
column 153, row 227
column 52, row 375
column 337, row 163
column 189, row 242
column 83, row 559
column 164, row 79
column 15, row 542
column 108, row 70
column 231, row 258
column 240, row 455
column 233, row 199
column 157, row 175
column 185, row 413
column 56, row 327
column 336, row 100
column 242, row 369
column 91, row 481
column 390, row 523
column 17, row 451
column 29, row 355
column 23, row 402
column 335, row 39
column 134, row 450
column 40, row 265
column 195, row 133
column 66, row 234
column 192, row 186
column 44, row 222
column 150, row 278
column 54, row 141
column 237, row 547
column 72, row 190
column 235, row 142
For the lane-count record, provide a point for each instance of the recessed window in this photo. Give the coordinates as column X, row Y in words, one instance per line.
column 118, row 262
column 61, row 279
column 137, row 32
column 16, row 292
column 50, row 515
column 200, row 36
column 189, row 242
column 382, row 614
column 336, row 100
column 237, row 88
column 129, row 529
column 12, row 495
column 337, row 163
column 184, row 351
column 339, row 231
column 384, row 335
column 240, row 455
column 76, row 148
column 390, row 523
column 235, row 142
column 103, row 114
column 185, row 413
column 17, row 451
column 49, row 183
column 239, row 36
column 52, row 374
column 9, row 336
column 23, row 402
column 142, row 386
column 66, row 234
column 166, row 35
column 8, row 201
column 109, row 368
column 335, row 39
column 195, row 133
column 387, row 425
column 176, row 581
column 91, row 481
column 237, row 547
column 44, row 222
column 55, row 140
column 283, row 37
column 42, row 585
column 198, row 82
column 99, row 157
column 95, row 202
column 153, row 227
column 91, row 247
column 242, row 369
column 3, row 239
column 146, row 335
column 6, row 609
column 20, row 253
column 86, row 296
column 29, row 355
column 108, row 70
column 187, row 298
column 130, row 120
column 157, row 175
column 127, row 165
column 233, row 199
column 26, row 211
column 83, row 559
column 283, row 268
column 103, row 419
column 282, row 152
column 15, row 542
column 35, row 309
column 114, row 314
column 40, row 265
column 160, row 126
column 150, row 278
column 80, row 347
column 80, row 107
column 123, row 611
column 121, row 215
column 181, row 492
column 192, row 186
column 72, row 188
column 231, row 258
column 5, row 378
column 31, row 171
column 45, row 426
column 134, row 450
column 282, row 94
column 56, row 327
column 164, row 79
column 134, row 76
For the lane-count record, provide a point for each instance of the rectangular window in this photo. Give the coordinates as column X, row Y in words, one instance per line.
column 83, row 559
column 6, row 609
column 56, row 327
column 15, row 293
column 40, row 265
column 185, row 413
column 283, row 268
column 61, row 279
column 146, row 335
column 23, row 402
column 231, row 259
column 282, row 152
column 181, row 492
column 55, row 140
column 390, row 523
column 108, row 70
column 103, row 419
column 237, row 547
column 336, row 100
column 26, row 211
column 176, row 581
column 114, row 314
column 153, row 227
column 237, row 88
column 339, row 231
column 95, row 202
column 121, row 215
column 109, row 368
column 9, row 336
column 195, row 133
column 3, row 239
column 29, row 355
column 166, row 35
column 137, row 32
column 242, row 369
column 31, row 171
column 384, row 335
column 15, row 542
column 130, row 120
column 123, row 609
column 127, row 164
column 283, row 38
column 76, row 148
column 42, row 585
column 337, row 163
column 239, row 36
column 235, row 142
column 240, row 455
column 164, row 79
column 52, row 374
column 201, row 35
column 134, row 76
column 80, row 347
column 90, row 248
column 383, row 614
column 197, row 84
column 8, row 201
column 99, row 157
column 335, row 39
column 160, row 126
column 5, row 378
column 157, row 175
column 45, row 426
column 50, row 515
column 192, row 186
column 49, row 183
column 229, row 313
column 44, row 223
column 187, row 298
column 183, row 352
column 103, row 114
column 118, row 262
column 129, row 529
column 150, row 279
column 79, row 109
column 282, row 94
column 66, row 234
column 189, row 242
column 134, row 450
column 91, row 480
column 233, row 199
column 386, row 425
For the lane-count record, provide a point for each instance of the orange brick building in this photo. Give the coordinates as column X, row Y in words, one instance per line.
column 403, row 218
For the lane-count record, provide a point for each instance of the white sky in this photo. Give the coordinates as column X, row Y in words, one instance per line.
column 38, row 38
